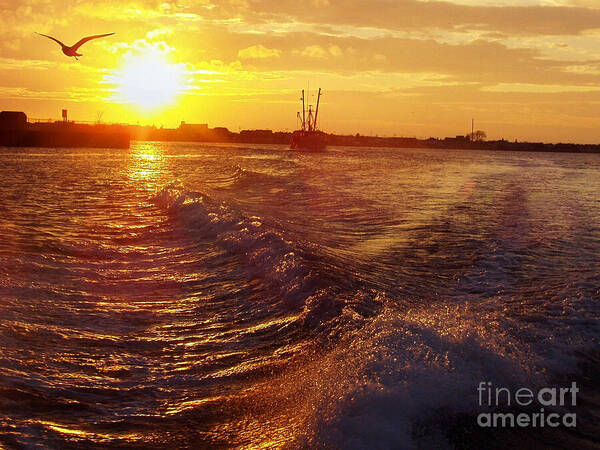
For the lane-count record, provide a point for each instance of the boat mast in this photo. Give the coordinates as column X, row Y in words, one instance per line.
column 317, row 110
column 310, row 118
column 303, row 113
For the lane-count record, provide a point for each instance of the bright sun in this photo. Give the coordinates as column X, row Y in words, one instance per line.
column 149, row 81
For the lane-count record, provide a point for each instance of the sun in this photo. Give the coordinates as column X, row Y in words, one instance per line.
column 149, row 81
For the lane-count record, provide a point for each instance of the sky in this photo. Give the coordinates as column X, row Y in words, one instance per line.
column 522, row 69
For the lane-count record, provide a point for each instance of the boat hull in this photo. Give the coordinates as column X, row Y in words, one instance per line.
column 308, row 141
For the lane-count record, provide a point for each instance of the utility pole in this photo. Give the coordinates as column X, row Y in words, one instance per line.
column 472, row 129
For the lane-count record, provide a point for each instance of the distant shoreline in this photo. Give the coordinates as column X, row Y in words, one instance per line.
column 201, row 133
column 16, row 131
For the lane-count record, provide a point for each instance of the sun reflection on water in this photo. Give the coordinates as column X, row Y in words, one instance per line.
column 147, row 166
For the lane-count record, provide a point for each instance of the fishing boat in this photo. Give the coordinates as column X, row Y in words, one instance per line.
column 309, row 138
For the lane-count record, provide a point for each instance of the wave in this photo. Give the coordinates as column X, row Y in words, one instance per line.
column 300, row 279
column 265, row 251
column 247, row 178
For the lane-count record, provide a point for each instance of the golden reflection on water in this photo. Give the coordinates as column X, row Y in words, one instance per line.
column 148, row 165
column 82, row 434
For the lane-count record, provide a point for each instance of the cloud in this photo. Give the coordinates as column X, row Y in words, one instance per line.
column 153, row 34
column 81, row 95
column 417, row 15
column 141, row 47
column 315, row 51
column 479, row 60
column 541, row 88
column 259, row 52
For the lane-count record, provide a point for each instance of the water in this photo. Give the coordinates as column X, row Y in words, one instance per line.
column 194, row 295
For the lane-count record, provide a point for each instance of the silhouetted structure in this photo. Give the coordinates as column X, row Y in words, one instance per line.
column 15, row 131
column 200, row 129
column 13, row 119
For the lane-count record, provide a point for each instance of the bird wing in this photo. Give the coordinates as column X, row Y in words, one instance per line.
column 89, row 38
column 50, row 37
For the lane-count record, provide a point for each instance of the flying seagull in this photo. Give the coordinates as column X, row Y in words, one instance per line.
column 72, row 50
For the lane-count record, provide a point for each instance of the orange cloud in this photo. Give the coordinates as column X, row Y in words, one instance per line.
column 258, row 52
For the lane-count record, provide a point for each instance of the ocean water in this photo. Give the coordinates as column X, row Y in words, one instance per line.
column 201, row 295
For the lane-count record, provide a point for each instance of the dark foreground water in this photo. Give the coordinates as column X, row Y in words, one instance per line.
column 191, row 295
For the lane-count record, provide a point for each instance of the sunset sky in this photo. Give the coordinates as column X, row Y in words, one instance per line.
column 524, row 69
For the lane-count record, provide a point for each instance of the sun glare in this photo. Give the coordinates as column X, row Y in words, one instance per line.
column 149, row 82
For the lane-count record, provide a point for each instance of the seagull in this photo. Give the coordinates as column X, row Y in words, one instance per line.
column 72, row 50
